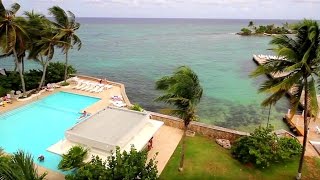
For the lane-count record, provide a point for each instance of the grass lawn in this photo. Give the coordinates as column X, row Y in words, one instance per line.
column 205, row 159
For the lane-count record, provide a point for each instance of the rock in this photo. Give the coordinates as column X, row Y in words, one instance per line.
column 190, row 133
column 225, row 143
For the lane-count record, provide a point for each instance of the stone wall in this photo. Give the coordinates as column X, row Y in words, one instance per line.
column 206, row 130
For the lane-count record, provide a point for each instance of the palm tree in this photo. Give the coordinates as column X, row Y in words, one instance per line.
column 183, row 91
column 13, row 37
column 301, row 66
column 19, row 166
column 25, row 166
column 44, row 40
column 67, row 25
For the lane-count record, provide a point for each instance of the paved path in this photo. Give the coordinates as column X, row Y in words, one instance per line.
column 165, row 142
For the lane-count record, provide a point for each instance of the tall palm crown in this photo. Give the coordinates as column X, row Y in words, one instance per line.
column 13, row 37
column 67, row 26
column 300, row 67
column 183, row 91
column 300, row 62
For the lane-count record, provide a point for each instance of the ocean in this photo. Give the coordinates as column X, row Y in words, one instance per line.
column 137, row 52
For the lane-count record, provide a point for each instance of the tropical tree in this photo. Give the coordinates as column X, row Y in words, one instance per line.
column 67, row 26
column 19, row 166
column 13, row 37
column 299, row 68
column 44, row 40
column 25, row 166
column 183, row 91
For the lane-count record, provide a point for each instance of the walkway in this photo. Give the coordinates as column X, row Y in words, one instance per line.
column 165, row 142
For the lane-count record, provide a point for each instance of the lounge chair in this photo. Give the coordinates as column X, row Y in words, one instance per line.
column 81, row 82
column 93, row 85
column 100, row 89
column 108, row 86
column 8, row 98
column 86, row 87
column 84, row 84
column 95, row 88
column 119, row 103
column 54, row 85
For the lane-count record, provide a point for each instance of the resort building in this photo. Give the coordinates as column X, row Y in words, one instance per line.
column 111, row 127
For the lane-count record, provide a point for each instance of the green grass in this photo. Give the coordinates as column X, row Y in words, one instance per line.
column 204, row 159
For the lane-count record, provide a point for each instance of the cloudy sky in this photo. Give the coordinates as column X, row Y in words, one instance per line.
column 234, row 9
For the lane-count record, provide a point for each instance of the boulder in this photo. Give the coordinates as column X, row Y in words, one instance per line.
column 225, row 143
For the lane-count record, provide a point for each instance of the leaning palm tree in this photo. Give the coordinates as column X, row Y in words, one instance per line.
column 183, row 91
column 67, row 25
column 300, row 68
column 13, row 37
column 44, row 40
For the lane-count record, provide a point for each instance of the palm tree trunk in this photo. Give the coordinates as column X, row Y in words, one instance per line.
column 183, row 147
column 43, row 75
column 269, row 115
column 66, row 66
column 20, row 73
column 305, row 121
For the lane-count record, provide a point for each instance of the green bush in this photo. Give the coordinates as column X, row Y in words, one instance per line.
column 73, row 159
column 32, row 78
column 263, row 148
column 55, row 72
column 245, row 31
column 136, row 107
column 64, row 84
column 3, row 91
column 131, row 165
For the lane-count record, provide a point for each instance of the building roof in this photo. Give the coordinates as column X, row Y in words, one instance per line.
column 108, row 128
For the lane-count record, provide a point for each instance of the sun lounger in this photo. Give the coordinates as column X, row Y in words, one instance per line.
column 108, row 86
column 87, row 87
column 81, row 82
column 119, row 103
column 84, row 84
column 100, row 89
column 95, row 88
column 93, row 85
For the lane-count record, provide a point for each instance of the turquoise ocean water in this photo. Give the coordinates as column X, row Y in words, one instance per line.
column 139, row 51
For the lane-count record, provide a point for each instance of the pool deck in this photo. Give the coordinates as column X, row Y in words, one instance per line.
column 165, row 140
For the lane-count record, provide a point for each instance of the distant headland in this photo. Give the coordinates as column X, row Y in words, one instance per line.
column 267, row 30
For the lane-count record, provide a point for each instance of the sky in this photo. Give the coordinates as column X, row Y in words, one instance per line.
column 216, row 9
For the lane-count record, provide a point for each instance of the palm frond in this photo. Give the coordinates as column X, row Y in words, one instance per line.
column 60, row 16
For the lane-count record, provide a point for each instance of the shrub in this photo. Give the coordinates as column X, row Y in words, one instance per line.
column 131, row 165
column 3, row 91
column 55, row 72
column 73, row 159
column 245, row 31
column 263, row 148
column 136, row 107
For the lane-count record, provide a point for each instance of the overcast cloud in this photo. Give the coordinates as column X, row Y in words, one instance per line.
column 235, row 9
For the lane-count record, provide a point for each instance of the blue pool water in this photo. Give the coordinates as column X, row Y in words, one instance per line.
column 36, row 126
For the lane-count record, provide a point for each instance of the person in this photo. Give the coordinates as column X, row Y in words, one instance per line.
column 41, row 158
column 100, row 81
column 84, row 114
column 150, row 144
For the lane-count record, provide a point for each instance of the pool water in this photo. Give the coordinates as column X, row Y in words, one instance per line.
column 38, row 125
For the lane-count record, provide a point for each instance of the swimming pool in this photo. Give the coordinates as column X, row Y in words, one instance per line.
column 38, row 125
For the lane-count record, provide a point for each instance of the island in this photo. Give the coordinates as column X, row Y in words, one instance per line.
column 266, row 30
